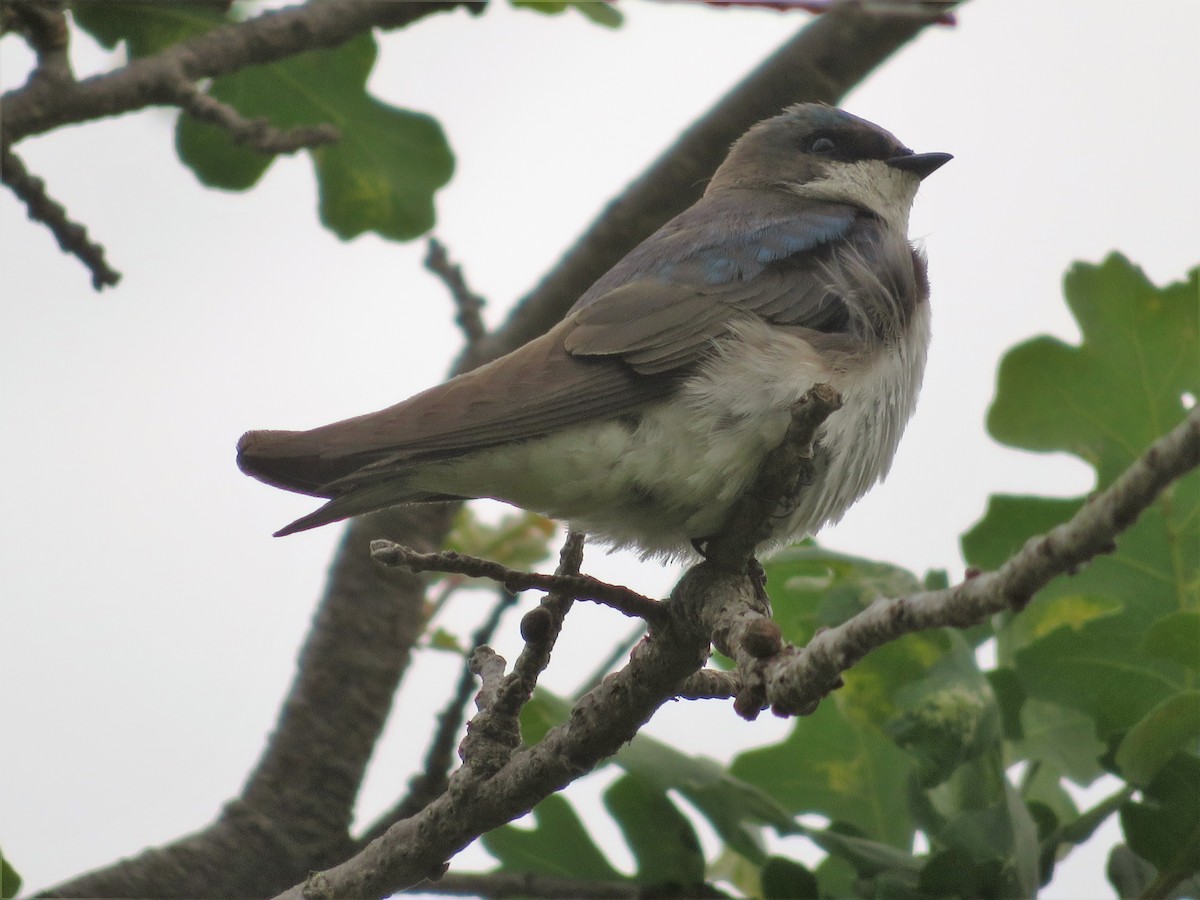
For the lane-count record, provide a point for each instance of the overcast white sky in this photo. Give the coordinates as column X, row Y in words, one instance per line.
column 150, row 622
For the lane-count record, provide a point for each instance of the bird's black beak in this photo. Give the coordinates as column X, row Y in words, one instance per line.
column 920, row 164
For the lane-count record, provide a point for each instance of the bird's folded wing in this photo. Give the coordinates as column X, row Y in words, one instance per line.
column 623, row 346
column 712, row 267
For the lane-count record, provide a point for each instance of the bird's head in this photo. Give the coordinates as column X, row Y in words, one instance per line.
column 823, row 153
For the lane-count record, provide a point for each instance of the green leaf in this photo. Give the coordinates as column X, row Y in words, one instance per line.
column 558, row 844
column 1092, row 671
column 520, row 540
column 812, row 588
column 1175, row 636
column 1044, row 795
column 837, row 767
column 869, row 858
column 1010, row 700
column 784, row 879
column 663, row 842
column 146, row 28
column 1081, row 641
column 1171, row 726
column 1165, row 827
column 1107, row 399
column 379, row 177
column 441, row 639
column 836, row 877
column 1061, row 739
column 10, row 881
column 602, row 12
column 735, row 808
column 1131, row 875
column 1128, row 872
column 992, row 840
column 948, row 717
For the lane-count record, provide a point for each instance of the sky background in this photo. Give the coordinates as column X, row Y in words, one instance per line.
column 151, row 623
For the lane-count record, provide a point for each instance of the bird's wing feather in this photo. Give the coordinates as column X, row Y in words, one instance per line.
column 663, row 305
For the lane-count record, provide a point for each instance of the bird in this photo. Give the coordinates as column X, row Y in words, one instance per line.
column 644, row 414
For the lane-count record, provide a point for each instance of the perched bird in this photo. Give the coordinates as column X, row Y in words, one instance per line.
column 644, row 414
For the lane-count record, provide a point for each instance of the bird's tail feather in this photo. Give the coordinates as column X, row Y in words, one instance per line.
column 285, row 459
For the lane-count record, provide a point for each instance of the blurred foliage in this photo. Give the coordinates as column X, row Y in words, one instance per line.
column 1098, row 675
column 10, row 881
column 602, row 12
column 380, row 176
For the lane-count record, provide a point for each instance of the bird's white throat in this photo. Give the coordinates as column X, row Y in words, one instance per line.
column 868, row 184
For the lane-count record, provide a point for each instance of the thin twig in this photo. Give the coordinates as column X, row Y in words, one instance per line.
column 71, row 236
column 44, row 27
column 541, row 627
column 580, row 587
column 434, row 776
column 257, row 134
column 150, row 80
column 709, row 684
column 495, row 732
column 489, row 666
column 468, row 303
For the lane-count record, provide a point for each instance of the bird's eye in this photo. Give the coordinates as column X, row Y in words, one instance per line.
column 822, row 146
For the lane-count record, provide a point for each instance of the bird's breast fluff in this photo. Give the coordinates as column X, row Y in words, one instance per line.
column 645, row 414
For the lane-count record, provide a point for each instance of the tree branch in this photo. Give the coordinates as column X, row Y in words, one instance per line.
column 795, row 681
column 579, row 587
column 440, row 757
column 498, row 885
column 51, row 97
column 603, row 720
column 71, row 236
column 257, row 134
column 153, row 80
column 469, row 304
